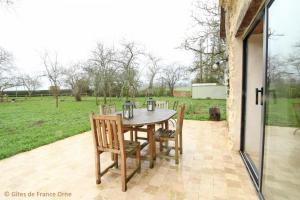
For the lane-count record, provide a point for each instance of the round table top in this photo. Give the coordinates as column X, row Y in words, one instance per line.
column 143, row 117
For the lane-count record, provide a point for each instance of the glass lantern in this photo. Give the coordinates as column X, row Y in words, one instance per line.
column 127, row 110
column 150, row 104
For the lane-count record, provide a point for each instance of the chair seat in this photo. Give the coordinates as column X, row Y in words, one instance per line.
column 130, row 146
column 163, row 133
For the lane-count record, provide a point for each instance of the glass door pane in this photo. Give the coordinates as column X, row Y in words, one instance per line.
column 281, row 172
column 253, row 106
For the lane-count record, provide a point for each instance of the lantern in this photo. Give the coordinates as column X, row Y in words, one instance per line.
column 127, row 110
column 150, row 104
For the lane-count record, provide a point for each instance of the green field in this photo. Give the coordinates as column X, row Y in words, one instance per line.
column 282, row 113
column 30, row 123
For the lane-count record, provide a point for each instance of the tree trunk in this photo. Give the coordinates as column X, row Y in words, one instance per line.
column 77, row 97
column 77, row 94
column 97, row 100
column 171, row 90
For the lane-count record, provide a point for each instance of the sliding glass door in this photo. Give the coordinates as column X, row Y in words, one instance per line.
column 253, row 101
column 270, row 144
column 281, row 169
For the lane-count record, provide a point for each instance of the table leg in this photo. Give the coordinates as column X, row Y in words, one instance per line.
column 131, row 135
column 154, row 142
column 151, row 144
column 167, row 125
column 167, row 128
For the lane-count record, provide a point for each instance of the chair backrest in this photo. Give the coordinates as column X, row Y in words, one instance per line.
column 105, row 109
column 175, row 105
column 162, row 104
column 136, row 104
column 107, row 133
column 180, row 116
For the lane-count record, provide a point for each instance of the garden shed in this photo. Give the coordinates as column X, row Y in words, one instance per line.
column 208, row 90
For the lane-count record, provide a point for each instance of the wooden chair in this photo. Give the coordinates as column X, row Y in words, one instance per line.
column 137, row 104
column 162, row 104
column 105, row 109
column 164, row 135
column 108, row 136
column 175, row 105
column 173, row 120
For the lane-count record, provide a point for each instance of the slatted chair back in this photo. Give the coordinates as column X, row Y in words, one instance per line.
column 179, row 122
column 108, row 133
column 137, row 104
column 175, row 105
column 162, row 104
column 107, row 109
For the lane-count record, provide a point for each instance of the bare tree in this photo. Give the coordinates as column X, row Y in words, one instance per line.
column 206, row 43
column 129, row 72
column 53, row 73
column 154, row 68
column 7, row 79
column 103, row 70
column 172, row 75
column 6, row 2
column 30, row 82
column 76, row 79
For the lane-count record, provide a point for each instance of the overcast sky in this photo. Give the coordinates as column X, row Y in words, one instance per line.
column 73, row 27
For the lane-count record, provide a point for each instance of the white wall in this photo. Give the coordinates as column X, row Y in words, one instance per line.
column 208, row 91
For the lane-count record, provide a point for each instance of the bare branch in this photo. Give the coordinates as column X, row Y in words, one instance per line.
column 53, row 73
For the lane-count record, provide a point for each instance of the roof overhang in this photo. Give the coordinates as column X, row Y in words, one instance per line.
column 245, row 18
column 222, row 24
column 253, row 9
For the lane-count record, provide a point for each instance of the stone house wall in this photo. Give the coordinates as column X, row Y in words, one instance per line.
column 236, row 12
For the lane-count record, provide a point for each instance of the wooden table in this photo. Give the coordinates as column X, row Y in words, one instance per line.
column 142, row 117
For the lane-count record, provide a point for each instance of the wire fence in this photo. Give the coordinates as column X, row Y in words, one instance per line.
column 11, row 97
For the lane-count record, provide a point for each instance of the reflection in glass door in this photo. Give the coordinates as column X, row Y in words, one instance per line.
column 281, row 171
column 253, row 101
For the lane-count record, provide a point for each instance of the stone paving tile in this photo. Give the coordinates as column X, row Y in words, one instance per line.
column 208, row 169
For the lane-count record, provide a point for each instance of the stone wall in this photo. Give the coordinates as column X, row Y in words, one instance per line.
column 234, row 14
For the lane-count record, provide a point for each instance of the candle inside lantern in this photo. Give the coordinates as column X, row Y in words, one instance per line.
column 127, row 110
column 150, row 104
column 126, row 114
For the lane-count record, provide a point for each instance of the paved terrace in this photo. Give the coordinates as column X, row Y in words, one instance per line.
column 208, row 169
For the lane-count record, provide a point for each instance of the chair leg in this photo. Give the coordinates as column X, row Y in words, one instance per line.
column 135, row 135
column 112, row 156
column 97, row 168
column 131, row 135
column 180, row 141
column 116, row 160
column 123, row 173
column 176, row 151
column 160, row 146
column 138, row 158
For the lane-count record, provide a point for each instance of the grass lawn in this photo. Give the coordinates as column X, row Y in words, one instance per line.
column 282, row 113
column 34, row 122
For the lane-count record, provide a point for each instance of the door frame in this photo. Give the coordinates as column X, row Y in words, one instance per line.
column 250, row 166
column 256, row 178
